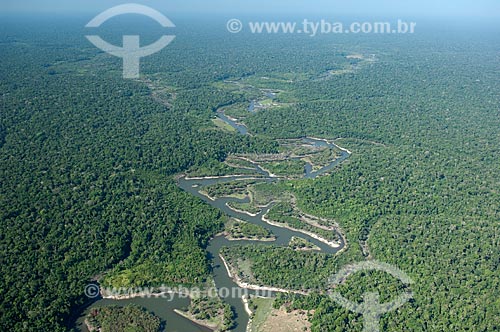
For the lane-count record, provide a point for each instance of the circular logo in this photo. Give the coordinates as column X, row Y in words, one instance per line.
column 131, row 51
column 371, row 308
column 234, row 26
column 92, row 291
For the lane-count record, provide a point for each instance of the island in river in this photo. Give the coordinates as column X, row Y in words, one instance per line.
column 258, row 212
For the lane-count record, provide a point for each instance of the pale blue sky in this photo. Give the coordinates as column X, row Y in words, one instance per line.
column 407, row 8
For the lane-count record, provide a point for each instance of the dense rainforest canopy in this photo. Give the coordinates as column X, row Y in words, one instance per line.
column 87, row 166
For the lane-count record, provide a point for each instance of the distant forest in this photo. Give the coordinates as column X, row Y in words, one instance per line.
column 88, row 160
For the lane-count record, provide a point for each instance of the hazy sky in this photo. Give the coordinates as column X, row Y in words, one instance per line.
column 403, row 8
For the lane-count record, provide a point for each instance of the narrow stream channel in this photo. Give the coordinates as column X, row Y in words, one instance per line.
column 164, row 307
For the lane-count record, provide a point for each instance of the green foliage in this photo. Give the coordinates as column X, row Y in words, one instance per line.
column 122, row 319
column 214, row 310
column 288, row 168
column 261, row 309
column 247, row 207
column 284, row 213
column 298, row 243
column 215, row 168
column 229, row 189
column 283, row 267
column 86, row 160
column 238, row 229
column 86, row 166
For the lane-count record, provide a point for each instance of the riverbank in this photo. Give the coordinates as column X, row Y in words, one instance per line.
column 269, row 174
column 128, row 296
column 229, row 237
column 244, row 298
column 239, row 176
column 330, row 142
column 234, row 276
column 241, row 211
column 210, row 325
column 331, row 244
column 299, row 244
column 89, row 326
column 312, row 220
column 249, row 312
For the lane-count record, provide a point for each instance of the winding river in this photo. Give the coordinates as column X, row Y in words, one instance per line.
column 164, row 307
